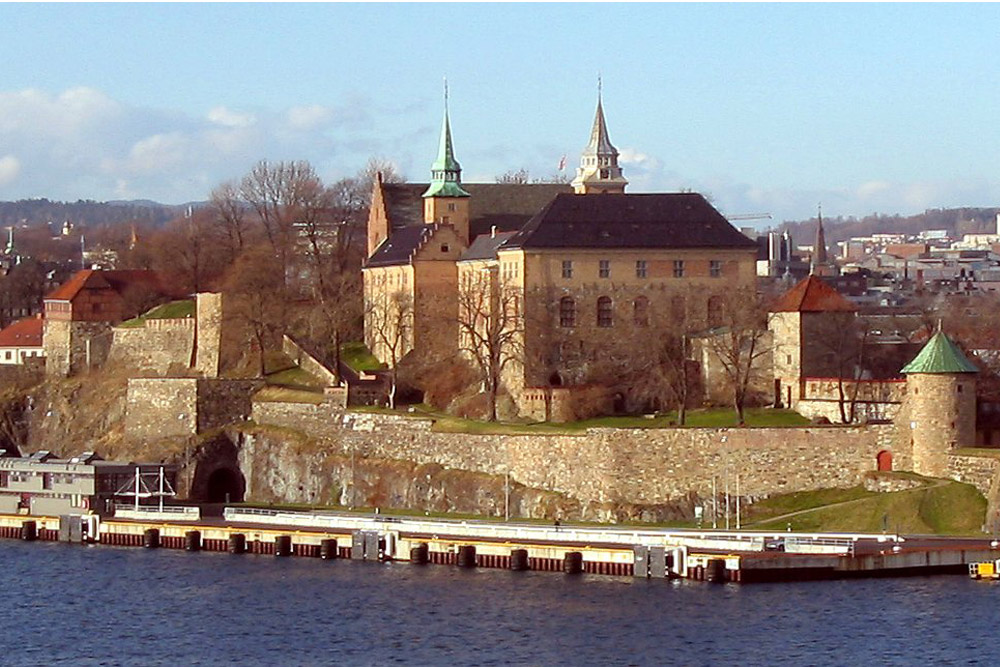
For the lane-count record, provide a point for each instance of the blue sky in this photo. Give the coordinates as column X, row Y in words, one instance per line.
column 769, row 108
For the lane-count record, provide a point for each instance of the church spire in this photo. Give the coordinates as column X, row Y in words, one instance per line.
column 819, row 257
column 446, row 173
column 599, row 170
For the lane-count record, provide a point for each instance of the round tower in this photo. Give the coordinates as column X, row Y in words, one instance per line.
column 941, row 400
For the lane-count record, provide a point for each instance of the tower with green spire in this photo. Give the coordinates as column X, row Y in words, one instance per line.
column 940, row 409
column 445, row 201
column 599, row 171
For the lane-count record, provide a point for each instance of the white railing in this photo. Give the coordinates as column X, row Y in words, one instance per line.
column 152, row 512
column 740, row 541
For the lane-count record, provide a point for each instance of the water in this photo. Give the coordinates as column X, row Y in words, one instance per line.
column 79, row 605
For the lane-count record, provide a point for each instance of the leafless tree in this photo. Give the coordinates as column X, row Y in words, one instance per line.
column 739, row 343
column 490, row 326
column 258, row 299
column 284, row 195
column 231, row 218
column 389, row 330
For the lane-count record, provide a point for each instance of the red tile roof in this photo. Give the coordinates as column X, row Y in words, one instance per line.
column 118, row 280
column 23, row 333
column 812, row 295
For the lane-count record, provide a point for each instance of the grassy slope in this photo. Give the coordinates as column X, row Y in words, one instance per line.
column 167, row 311
column 357, row 356
column 942, row 508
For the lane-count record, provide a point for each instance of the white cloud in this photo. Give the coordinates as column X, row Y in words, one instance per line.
column 10, row 167
column 309, row 117
column 230, row 118
column 82, row 143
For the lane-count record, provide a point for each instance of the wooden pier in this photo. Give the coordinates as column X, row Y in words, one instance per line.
column 715, row 556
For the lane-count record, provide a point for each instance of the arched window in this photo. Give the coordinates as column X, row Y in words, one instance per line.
column 605, row 312
column 716, row 311
column 567, row 312
column 640, row 311
column 678, row 308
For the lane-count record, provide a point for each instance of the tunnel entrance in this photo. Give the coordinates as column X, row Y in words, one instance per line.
column 225, row 485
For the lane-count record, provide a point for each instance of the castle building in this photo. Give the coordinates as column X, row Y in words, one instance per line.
column 573, row 283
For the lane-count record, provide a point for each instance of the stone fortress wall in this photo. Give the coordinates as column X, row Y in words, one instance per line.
column 600, row 466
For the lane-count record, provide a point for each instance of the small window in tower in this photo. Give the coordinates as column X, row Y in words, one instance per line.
column 640, row 268
column 715, row 268
column 444, row 247
column 451, row 207
column 960, row 389
column 604, row 268
column 605, row 173
column 567, row 268
column 788, row 359
column 678, row 268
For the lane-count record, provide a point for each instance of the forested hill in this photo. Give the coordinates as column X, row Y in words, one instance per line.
column 86, row 213
column 956, row 221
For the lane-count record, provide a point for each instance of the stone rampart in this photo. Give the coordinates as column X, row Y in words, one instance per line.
column 161, row 408
column 169, row 407
column 607, row 466
column 157, row 348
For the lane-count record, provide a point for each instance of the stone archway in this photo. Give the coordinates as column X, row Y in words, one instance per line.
column 225, row 485
column 883, row 461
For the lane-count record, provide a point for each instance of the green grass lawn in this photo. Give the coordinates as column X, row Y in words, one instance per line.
column 278, row 394
column 946, row 508
column 357, row 356
column 168, row 311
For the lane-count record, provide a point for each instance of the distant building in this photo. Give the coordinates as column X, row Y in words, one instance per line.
column 22, row 341
column 42, row 484
column 80, row 313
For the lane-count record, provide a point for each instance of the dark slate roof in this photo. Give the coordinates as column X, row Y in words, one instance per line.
column 400, row 246
column 508, row 206
column 683, row 220
column 485, row 246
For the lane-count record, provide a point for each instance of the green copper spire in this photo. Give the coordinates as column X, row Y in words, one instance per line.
column 940, row 355
column 446, row 173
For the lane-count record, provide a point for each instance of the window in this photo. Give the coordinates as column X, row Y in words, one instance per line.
column 640, row 311
column 567, row 268
column 567, row 312
column 678, row 308
column 605, row 313
column 6, row 355
column 452, row 207
column 444, row 247
column 678, row 268
column 640, row 268
column 715, row 311
column 604, row 268
column 715, row 268
column 4, row 478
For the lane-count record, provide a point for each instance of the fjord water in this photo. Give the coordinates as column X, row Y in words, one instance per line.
column 75, row 605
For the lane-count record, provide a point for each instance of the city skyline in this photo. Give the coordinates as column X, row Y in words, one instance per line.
column 763, row 108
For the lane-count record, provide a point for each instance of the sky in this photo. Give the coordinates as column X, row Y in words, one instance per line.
column 764, row 108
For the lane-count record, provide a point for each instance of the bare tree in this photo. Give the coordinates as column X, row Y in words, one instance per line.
column 490, row 326
column 231, row 218
column 258, row 299
column 282, row 196
column 389, row 330
column 739, row 343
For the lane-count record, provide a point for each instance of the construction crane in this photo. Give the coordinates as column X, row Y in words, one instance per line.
column 750, row 216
